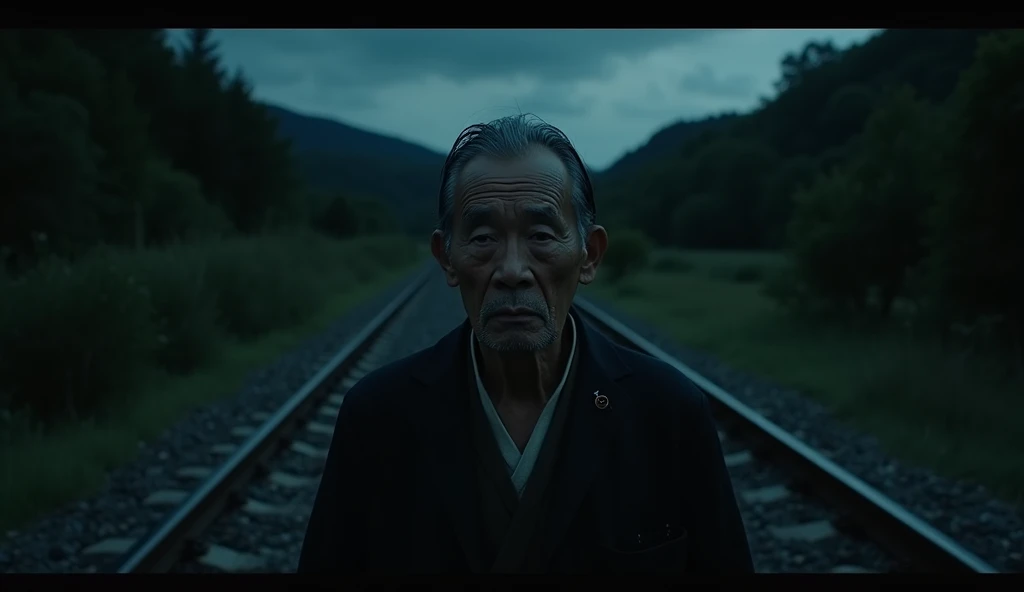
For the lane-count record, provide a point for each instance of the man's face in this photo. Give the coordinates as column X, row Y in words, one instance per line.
column 515, row 253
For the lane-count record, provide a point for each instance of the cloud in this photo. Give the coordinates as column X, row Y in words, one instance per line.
column 367, row 57
column 609, row 90
column 703, row 80
column 554, row 99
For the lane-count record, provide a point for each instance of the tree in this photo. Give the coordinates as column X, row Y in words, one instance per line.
column 49, row 171
column 175, row 208
column 113, row 140
column 775, row 206
column 845, row 113
column 976, row 240
column 339, row 219
column 873, row 226
column 729, row 173
column 899, row 160
column 795, row 66
column 825, row 238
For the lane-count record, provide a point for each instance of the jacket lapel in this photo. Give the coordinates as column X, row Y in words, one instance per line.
column 445, row 433
column 590, row 433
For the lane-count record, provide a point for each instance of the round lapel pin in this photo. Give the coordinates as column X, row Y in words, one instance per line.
column 600, row 401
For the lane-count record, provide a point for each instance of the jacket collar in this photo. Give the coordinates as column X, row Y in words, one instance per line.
column 443, row 424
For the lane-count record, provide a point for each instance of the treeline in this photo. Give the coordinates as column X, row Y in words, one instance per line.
column 151, row 216
column 115, row 138
column 890, row 172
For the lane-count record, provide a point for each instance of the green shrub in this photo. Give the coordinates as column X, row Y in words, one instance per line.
column 75, row 339
column 175, row 208
column 262, row 285
column 786, row 286
column 338, row 219
column 628, row 251
column 386, row 251
column 368, row 256
column 69, row 335
column 671, row 262
column 184, row 305
column 747, row 274
column 274, row 282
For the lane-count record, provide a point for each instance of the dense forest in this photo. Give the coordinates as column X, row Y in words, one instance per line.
column 115, row 137
column 889, row 172
column 154, row 216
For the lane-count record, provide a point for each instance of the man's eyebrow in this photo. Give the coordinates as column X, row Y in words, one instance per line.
column 545, row 214
column 474, row 216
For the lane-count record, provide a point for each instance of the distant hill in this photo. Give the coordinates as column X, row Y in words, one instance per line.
column 728, row 181
column 335, row 157
column 665, row 142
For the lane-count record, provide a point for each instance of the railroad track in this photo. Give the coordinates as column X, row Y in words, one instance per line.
column 863, row 510
column 301, row 429
column 179, row 539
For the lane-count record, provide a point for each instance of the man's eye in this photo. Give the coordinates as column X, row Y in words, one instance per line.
column 480, row 239
column 542, row 236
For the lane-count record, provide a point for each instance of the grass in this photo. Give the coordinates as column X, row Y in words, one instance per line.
column 45, row 468
column 957, row 415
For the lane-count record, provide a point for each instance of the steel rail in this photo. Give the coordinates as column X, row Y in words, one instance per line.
column 166, row 543
column 897, row 529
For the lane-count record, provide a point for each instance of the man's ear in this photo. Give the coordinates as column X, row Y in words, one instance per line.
column 597, row 244
column 437, row 248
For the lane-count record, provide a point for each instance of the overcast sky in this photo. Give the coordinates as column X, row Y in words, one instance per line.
column 609, row 90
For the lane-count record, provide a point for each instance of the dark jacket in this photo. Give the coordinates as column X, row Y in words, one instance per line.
column 639, row 486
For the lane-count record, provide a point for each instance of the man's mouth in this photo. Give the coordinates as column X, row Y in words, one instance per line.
column 514, row 315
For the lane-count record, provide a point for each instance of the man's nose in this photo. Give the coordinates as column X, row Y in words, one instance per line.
column 513, row 269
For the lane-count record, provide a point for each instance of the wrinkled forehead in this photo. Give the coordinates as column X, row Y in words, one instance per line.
column 534, row 180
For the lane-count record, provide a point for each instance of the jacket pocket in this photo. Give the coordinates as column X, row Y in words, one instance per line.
column 664, row 557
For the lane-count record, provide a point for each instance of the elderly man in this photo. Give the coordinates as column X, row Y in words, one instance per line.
column 524, row 441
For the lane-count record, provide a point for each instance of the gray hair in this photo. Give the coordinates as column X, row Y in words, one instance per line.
column 511, row 137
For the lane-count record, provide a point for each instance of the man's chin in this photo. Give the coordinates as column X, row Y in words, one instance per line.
column 513, row 341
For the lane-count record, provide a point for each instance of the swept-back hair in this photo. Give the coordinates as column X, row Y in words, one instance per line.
column 510, row 137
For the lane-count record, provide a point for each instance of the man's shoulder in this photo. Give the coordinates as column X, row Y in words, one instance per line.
column 392, row 379
column 393, row 384
column 659, row 385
